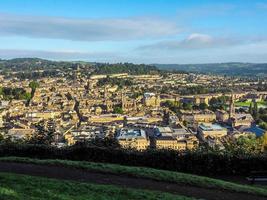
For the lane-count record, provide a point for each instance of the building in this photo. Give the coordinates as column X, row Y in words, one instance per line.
column 133, row 138
column 151, row 99
column 197, row 116
column 84, row 133
column 232, row 107
column 221, row 115
column 242, row 119
column 211, row 130
column 177, row 139
column 128, row 104
column 20, row 133
column 169, row 142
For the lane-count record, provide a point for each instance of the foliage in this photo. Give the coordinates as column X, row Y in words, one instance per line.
column 114, row 81
column 99, row 142
column 262, row 118
column 194, row 90
column 125, row 68
column 172, row 105
column 232, row 69
column 200, row 161
column 118, row 110
column 218, row 103
column 41, row 136
column 187, row 106
column 244, row 145
column 9, row 93
column 203, row 106
column 34, row 68
column 263, row 125
column 33, row 85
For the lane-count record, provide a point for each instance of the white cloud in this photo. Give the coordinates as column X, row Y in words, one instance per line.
column 85, row 29
column 193, row 41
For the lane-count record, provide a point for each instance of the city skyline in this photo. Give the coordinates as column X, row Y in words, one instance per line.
column 135, row 31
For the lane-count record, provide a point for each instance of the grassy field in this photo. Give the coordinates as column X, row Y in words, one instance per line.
column 247, row 103
column 21, row 187
column 163, row 175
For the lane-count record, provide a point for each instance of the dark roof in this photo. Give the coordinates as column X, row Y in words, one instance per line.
column 255, row 129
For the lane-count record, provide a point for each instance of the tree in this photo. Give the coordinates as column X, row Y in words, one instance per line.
column 250, row 108
column 1, row 137
column 41, row 136
column 187, row 106
column 264, row 143
column 172, row 105
column 27, row 96
column 255, row 111
column 203, row 106
column 100, row 142
column 263, row 125
column 118, row 110
column 33, row 85
column 244, row 145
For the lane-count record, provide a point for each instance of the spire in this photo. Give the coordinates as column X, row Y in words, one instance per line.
column 232, row 106
column 122, row 101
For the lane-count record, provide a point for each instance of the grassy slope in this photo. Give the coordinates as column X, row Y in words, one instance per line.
column 21, row 187
column 155, row 174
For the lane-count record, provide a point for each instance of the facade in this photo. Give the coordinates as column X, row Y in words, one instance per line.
column 20, row 133
column 151, row 100
column 198, row 116
column 176, row 139
column 221, row 115
column 211, row 130
column 84, row 133
column 169, row 142
column 242, row 119
column 133, row 138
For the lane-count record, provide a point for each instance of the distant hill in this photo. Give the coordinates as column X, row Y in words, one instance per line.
column 52, row 68
column 125, row 68
column 32, row 68
column 232, row 69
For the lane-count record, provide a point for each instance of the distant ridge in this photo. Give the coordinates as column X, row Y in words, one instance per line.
column 231, row 68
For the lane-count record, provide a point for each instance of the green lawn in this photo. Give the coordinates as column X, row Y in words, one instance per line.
column 247, row 103
column 21, row 187
column 163, row 175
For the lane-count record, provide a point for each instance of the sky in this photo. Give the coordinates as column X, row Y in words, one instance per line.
column 137, row 31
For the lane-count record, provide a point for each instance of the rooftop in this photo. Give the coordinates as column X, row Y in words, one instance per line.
column 211, row 127
column 131, row 134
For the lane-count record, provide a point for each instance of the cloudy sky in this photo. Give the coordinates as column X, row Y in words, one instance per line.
column 139, row 31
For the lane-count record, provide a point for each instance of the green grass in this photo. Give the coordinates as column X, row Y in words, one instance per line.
column 247, row 103
column 162, row 175
column 22, row 187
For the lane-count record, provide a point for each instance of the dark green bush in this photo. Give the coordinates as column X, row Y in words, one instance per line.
column 204, row 163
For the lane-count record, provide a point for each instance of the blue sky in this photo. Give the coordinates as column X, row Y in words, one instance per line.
column 139, row 31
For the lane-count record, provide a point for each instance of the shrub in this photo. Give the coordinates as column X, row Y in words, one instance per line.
column 205, row 163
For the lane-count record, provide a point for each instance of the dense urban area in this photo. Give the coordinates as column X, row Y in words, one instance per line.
column 133, row 106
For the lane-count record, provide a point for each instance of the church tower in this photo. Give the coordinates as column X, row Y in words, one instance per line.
column 123, row 102
column 232, row 106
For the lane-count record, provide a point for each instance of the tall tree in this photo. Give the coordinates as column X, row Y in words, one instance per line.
column 255, row 111
column 250, row 108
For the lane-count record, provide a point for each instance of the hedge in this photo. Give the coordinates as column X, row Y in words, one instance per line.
column 209, row 163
